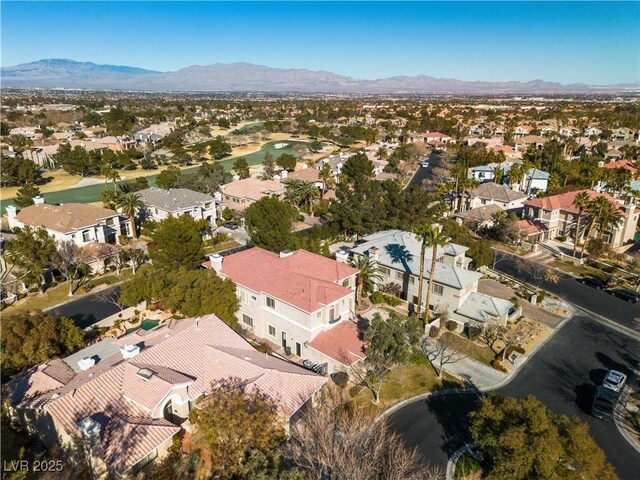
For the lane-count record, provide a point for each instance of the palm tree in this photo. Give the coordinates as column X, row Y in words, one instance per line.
column 602, row 215
column 498, row 175
column 430, row 236
column 581, row 202
column 516, row 174
column 368, row 276
column 130, row 204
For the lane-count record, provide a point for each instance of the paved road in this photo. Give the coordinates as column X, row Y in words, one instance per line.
column 570, row 289
column 88, row 309
column 423, row 173
column 563, row 375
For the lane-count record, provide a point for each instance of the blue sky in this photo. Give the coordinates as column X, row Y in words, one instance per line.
column 597, row 43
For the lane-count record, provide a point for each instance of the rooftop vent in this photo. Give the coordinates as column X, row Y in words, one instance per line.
column 146, row 374
column 129, row 351
column 86, row 363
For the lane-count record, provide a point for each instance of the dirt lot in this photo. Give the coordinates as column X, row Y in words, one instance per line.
column 496, row 289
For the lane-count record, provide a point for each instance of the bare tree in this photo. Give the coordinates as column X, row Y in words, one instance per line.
column 110, row 295
column 440, row 354
column 338, row 442
column 136, row 256
column 71, row 261
column 490, row 333
column 513, row 334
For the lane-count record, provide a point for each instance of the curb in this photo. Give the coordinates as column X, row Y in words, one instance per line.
column 619, row 408
column 453, row 459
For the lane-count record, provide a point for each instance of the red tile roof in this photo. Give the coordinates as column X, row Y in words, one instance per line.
column 344, row 343
column 530, row 226
column 564, row 201
column 626, row 164
column 303, row 279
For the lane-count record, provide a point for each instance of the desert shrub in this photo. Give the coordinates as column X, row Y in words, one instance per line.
column 340, row 378
column 497, row 364
column 392, row 300
column 451, row 325
column 434, row 332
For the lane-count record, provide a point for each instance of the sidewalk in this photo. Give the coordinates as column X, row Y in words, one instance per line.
column 468, row 369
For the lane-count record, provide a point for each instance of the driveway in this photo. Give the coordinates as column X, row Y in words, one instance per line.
column 88, row 309
column 563, row 375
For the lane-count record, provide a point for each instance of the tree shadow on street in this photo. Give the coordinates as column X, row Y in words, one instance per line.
column 452, row 413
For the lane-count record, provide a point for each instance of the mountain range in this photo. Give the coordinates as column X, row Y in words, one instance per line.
column 241, row 77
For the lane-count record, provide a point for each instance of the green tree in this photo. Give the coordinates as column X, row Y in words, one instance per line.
column 29, row 338
column 219, row 148
column 269, row 222
column 18, row 171
column 522, row 439
column 31, row 251
column 168, row 177
column 358, row 167
column 287, row 162
column 25, row 195
column 241, row 168
column 177, row 243
column 20, row 143
column 268, row 167
column 130, row 204
column 4, row 128
column 433, row 237
column 240, row 433
column 389, row 342
column 368, row 276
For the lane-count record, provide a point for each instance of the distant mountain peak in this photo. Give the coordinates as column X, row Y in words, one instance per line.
column 244, row 76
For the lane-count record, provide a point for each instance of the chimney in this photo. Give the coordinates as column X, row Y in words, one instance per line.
column 216, row 261
column 284, row 174
column 129, row 351
column 285, row 253
column 11, row 215
column 217, row 196
column 373, row 253
column 38, row 200
column 86, row 363
column 342, row 256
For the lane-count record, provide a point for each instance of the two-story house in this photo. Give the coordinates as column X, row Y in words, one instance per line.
column 292, row 297
column 558, row 214
column 455, row 286
column 161, row 203
column 77, row 222
column 491, row 193
column 240, row 194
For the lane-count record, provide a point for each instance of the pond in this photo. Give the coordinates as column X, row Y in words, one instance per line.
column 93, row 193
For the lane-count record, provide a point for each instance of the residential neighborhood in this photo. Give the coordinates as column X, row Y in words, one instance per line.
column 373, row 256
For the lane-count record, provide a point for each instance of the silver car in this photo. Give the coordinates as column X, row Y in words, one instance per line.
column 614, row 380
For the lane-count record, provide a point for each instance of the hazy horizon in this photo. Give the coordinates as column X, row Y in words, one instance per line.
column 573, row 42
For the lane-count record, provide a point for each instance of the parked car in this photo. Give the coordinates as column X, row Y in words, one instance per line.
column 603, row 403
column 595, row 282
column 626, row 294
column 614, row 380
column 424, row 163
column 231, row 225
column 309, row 365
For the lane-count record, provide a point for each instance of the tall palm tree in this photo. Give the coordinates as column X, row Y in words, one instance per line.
column 130, row 204
column 581, row 202
column 293, row 192
column 430, row 236
column 516, row 174
column 602, row 215
column 498, row 175
column 368, row 276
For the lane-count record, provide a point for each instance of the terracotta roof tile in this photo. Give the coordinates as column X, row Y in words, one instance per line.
column 344, row 343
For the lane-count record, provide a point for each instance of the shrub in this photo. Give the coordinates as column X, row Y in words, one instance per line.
column 497, row 364
column 340, row 378
column 354, row 391
column 516, row 302
column 434, row 332
column 134, row 320
column 377, row 297
column 473, row 333
column 392, row 300
column 451, row 325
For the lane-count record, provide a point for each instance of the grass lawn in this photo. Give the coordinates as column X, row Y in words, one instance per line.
column 404, row 381
column 482, row 353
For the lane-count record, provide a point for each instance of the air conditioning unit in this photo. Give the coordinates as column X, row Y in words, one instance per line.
column 129, row 351
column 86, row 363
